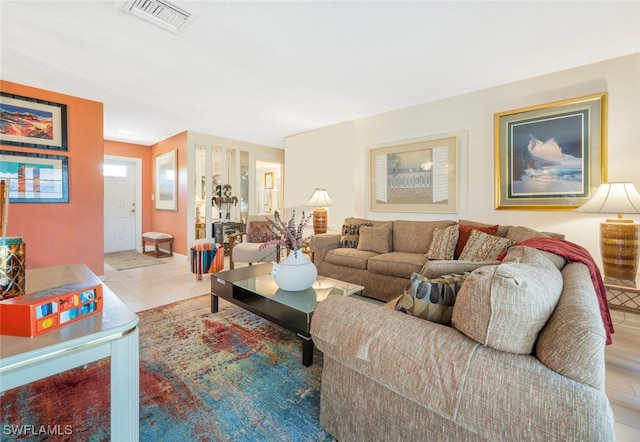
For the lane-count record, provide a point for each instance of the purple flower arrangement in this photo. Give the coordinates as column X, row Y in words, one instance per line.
column 288, row 233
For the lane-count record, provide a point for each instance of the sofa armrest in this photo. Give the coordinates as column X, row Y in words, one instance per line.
column 393, row 349
column 319, row 245
column 436, row 268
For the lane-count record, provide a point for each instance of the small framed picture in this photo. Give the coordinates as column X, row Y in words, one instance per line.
column 166, row 181
column 28, row 122
column 268, row 180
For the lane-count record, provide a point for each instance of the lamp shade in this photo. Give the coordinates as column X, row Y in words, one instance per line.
column 618, row 236
column 613, row 198
column 320, row 198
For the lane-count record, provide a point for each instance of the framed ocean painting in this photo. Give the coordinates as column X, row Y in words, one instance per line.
column 550, row 156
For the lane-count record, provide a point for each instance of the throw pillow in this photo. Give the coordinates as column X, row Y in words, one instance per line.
column 520, row 233
column 260, row 231
column 374, row 239
column 351, row 235
column 443, row 244
column 464, row 231
column 483, row 247
column 505, row 306
column 431, row 299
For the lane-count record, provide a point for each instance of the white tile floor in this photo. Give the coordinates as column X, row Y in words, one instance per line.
column 148, row 287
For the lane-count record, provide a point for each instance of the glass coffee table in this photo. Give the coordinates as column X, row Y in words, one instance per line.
column 254, row 289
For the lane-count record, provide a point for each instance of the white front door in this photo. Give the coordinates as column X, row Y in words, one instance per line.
column 119, row 205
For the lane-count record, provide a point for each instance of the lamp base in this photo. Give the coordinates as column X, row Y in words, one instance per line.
column 619, row 249
column 319, row 220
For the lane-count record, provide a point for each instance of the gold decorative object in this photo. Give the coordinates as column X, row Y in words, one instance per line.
column 320, row 200
column 618, row 236
column 12, row 267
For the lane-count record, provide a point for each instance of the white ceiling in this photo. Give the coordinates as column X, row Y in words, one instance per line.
column 260, row 71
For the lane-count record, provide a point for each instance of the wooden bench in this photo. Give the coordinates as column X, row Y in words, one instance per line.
column 157, row 238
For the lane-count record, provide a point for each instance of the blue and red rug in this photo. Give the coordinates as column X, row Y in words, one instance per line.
column 230, row 376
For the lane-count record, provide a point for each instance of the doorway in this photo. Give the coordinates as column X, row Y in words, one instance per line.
column 122, row 203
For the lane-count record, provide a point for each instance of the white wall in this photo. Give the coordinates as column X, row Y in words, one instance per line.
column 325, row 158
column 336, row 157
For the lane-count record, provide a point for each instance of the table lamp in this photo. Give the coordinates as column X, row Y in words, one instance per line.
column 618, row 236
column 320, row 200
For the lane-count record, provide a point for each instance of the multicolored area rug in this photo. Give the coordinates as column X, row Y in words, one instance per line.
column 229, row 376
column 130, row 259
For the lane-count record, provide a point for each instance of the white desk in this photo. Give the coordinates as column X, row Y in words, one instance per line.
column 110, row 333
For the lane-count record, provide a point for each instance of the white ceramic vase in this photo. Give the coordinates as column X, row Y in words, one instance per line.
column 295, row 272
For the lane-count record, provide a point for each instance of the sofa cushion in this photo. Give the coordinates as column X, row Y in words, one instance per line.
column 431, row 299
column 348, row 257
column 505, row 306
column 520, row 233
column 399, row 264
column 375, row 239
column 483, row 247
column 260, row 231
column 443, row 244
column 464, row 231
column 415, row 236
column 439, row 267
column 351, row 234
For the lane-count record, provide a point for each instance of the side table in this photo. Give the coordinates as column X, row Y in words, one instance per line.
column 623, row 298
column 113, row 333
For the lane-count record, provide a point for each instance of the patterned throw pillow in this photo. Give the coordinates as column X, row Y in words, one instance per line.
column 464, row 231
column 260, row 231
column 431, row 299
column 483, row 247
column 443, row 244
column 351, row 235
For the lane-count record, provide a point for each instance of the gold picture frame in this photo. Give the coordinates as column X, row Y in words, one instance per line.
column 418, row 175
column 550, row 156
column 268, row 181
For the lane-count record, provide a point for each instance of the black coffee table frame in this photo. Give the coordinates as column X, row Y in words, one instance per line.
column 225, row 285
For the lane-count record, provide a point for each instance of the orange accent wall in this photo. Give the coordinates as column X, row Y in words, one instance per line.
column 73, row 232
column 144, row 153
column 168, row 221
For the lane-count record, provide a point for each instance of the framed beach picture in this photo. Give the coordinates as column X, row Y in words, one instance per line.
column 35, row 178
column 551, row 156
column 166, row 181
column 419, row 175
column 28, row 122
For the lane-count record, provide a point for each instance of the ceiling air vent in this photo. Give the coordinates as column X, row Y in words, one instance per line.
column 160, row 13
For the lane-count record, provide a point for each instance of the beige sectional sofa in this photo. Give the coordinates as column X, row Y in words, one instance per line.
column 523, row 360
column 382, row 255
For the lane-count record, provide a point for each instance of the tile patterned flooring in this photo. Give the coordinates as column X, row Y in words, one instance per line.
column 148, row 287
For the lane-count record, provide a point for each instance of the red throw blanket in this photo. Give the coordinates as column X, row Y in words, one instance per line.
column 575, row 253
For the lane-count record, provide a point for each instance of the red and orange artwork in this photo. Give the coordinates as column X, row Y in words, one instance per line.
column 25, row 122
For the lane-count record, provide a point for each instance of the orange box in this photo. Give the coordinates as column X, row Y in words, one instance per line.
column 48, row 309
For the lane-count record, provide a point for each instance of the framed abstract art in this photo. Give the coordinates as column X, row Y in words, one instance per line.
column 35, row 177
column 29, row 122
